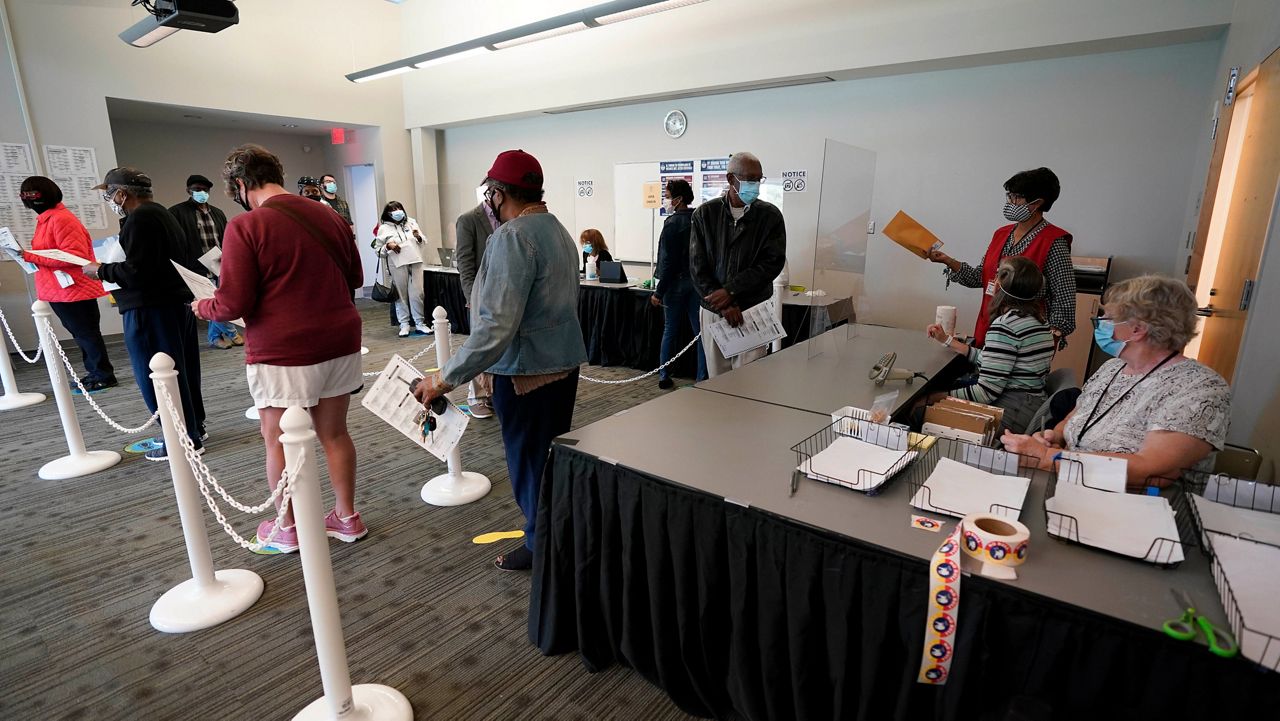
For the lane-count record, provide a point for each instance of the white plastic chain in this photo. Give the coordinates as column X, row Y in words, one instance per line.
column 71, row 373
column 205, row 480
column 411, row 360
column 642, row 376
column 9, row 332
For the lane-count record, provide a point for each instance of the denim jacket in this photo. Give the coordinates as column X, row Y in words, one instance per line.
column 524, row 309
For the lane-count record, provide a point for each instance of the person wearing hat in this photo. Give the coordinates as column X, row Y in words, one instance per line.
column 72, row 295
column 524, row 331
column 153, row 298
column 204, row 225
column 309, row 187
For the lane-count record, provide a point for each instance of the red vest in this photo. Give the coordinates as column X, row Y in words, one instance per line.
column 1037, row 251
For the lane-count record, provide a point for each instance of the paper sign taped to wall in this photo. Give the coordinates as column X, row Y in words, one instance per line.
column 652, row 195
column 905, row 231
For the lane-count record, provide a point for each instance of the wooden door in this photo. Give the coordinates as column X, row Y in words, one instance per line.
column 1247, row 216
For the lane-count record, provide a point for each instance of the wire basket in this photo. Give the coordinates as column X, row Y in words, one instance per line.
column 985, row 458
column 859, row 425
column 1162, row 551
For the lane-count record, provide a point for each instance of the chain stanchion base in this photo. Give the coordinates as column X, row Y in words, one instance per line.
column 252, row 414
column 188, row 607
column 10, row 401
column 370, row 702
column 81, row 465
column 455, row 490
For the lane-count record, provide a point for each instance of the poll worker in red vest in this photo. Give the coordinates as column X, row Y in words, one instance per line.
column 1028, row 196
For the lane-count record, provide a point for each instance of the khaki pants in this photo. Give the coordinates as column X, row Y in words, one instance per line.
column 480, row 388
column 717, row 364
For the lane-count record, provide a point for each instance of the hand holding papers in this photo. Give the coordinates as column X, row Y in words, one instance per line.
column 905, row 231
column 9, row 245
column 108, row 250
column 391, row 399
column 201, row 287
column 759, row 327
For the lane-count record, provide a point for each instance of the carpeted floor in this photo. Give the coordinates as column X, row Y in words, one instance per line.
column 423, row 609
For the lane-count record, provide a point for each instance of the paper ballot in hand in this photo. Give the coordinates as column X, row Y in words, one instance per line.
column 759, row 327
column 905, row 231
column 391, row 400
column 212, row 260
column 201, row 287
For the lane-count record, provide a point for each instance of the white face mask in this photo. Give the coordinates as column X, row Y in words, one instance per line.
column 115, row 207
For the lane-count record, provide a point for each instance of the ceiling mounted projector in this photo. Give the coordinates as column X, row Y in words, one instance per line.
column 169, row 16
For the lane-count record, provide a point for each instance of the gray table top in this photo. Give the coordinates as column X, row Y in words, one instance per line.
column 740, row 450
column 837, row 375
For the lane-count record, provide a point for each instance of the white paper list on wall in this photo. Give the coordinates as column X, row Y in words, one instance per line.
column 16, row 158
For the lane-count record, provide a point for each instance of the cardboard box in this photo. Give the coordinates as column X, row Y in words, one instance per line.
column 963, row 420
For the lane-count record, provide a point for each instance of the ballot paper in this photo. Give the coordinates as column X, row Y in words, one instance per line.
column 1249, row 569
column 905, row 231
column 391, row 400
column 1102, row 473
column 108, row 250
column 201, row 287
column 956, row 489
column 64, row 278
column 855, row 464
column 61, row 255
column 213, row 260
column 759, row 327
column 1232, row 521
column 1125, row 523
column 9, row 245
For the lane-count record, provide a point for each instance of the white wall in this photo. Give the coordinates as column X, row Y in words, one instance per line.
column 1120, row 129
column 169, row 153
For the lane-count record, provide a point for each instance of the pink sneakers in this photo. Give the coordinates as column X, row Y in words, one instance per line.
column 347, row 529
column 286, row 540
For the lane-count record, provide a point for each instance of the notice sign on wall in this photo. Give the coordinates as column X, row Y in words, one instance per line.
column 652, row 192
column 586, row 188
column 794, row 181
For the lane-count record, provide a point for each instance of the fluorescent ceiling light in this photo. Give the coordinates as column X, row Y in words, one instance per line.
column 385, row 74
column 146, row 32
column 646, row 10
column 450, row 58
column 552, row 33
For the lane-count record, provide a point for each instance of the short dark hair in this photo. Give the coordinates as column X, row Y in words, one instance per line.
column 1039, row 184
column 680, row 188
column 1018, row 276
column 40, row 193
column 254, row 165
column 523, row 195
column 328, row 175
column 386, row 210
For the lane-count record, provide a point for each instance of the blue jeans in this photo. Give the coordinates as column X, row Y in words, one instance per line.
column 218, row 329
column 167, row 329
column 529, row 423
column 678, row 304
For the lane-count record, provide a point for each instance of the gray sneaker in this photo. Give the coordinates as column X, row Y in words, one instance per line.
column 480, row 408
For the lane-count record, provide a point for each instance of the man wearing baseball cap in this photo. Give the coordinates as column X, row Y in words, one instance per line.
column 204, row 223
column 524, row 331
column 152, row 297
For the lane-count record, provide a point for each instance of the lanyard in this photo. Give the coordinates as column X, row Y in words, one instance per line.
column 1090, row 422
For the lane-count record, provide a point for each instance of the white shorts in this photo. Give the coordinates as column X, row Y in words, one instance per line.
column 282, row 386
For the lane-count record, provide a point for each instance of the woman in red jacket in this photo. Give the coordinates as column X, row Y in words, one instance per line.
column 72, row 295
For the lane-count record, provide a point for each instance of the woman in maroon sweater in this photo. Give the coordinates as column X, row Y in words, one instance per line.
column 288, row 268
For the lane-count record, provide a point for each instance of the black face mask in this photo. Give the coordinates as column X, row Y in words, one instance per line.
column 243, row 200
column 34, row 206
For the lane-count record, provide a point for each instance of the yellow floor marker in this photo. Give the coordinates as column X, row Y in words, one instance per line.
column 497, row 536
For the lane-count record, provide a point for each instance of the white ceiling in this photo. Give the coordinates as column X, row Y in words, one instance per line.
column 140, row 111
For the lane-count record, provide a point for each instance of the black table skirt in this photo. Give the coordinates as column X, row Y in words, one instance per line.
column 737, row 613
column 445, row 290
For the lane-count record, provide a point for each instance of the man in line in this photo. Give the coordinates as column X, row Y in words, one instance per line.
column 152, row 297
column 474, row 228
column 737, row 247
column 329, row 193
column 203, row 225
column 524, row 330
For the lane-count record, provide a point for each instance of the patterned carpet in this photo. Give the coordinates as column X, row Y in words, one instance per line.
column 423, row 610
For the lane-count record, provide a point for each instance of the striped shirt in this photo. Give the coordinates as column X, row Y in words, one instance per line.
column 1016, row 357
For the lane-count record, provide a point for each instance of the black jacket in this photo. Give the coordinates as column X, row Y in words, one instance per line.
column 186, row 214
column 151, row 237
column 742, row 257
column 673, row 251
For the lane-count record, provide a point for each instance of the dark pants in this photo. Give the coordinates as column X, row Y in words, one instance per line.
column 167, row 329
column 679, row 304
column 529, row 423
column 83, row 320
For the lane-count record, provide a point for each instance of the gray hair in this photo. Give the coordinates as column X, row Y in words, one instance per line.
column 137, row 191
column 738, row 160
column 1165, row 305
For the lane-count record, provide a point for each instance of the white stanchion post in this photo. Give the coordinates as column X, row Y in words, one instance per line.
column 13, row 398
column 209, row 597
column 457, row 486
column 779, row 292
column 252, row 414
column 341, row 700
column 78, row 462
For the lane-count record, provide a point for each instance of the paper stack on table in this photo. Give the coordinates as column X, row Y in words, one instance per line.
column 956, row 489
column 1125, row 523
column 855, row 464
column 1233, row 521
column 1103, row 473
column 1249, row 569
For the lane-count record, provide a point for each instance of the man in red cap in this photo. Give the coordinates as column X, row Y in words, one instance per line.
column 524, row 331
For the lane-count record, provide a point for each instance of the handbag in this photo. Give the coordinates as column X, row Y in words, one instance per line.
column 383, row 292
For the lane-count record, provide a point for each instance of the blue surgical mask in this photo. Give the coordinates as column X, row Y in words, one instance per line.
column 331, row 187
column 748, row 191
column 200, row 196
column 1104, row 336
column 587, row 248
column 397, row 215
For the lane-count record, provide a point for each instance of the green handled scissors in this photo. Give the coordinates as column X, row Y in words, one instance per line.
column 1184, row 628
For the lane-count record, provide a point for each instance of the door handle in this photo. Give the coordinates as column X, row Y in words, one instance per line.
column 1206, row 311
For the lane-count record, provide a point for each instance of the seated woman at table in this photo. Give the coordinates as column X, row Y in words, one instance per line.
column 1151, row 405
column 1015, row 360
column 593, row 246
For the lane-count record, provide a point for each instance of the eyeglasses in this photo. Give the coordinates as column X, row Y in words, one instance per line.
column 760, row 180
column 1015, row 198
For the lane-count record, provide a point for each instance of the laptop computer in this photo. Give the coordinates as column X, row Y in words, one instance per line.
column 611, row 272
column 446, row 257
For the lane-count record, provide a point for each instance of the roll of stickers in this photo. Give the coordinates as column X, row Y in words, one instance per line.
column 1001, row 545
column 945, row 316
